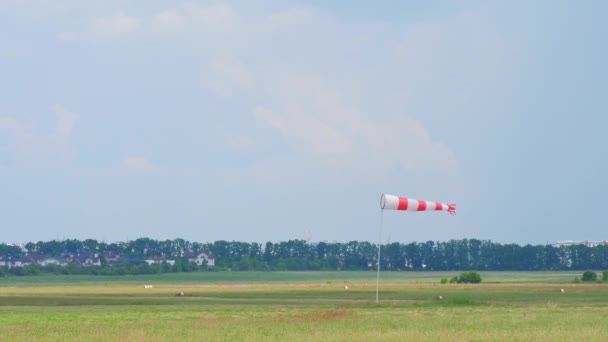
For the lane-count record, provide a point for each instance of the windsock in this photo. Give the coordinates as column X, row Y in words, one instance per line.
column 391, row 202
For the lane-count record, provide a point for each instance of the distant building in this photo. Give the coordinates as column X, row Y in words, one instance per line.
column 87, row 259
column 200, row 257
column 159, row 260
column 110, row 256
column 44, row 260
column 132, row 261
column 574, row 243
column 68, row 256
column 14, row 262
column 53, row 261
column 6, row 261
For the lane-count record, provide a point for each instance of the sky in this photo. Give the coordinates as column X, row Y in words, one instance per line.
column 260, row 121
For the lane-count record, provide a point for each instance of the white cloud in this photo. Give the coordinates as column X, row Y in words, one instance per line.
column 9, row 123
column 407, row 66
column 270, row 118
column 312, row 116
column 290, row 17
column 212, row 21
column 219, row 17
column 30, row 142
column 170, row 20
column 457, row 59
column 65, row 121
column 215, row 18
column 68, row 36
column 312, row 132
column 20, row 131
column 139, row 164
column 406, row 142
column 227, row 76
column 239, row 142
column 117, row 24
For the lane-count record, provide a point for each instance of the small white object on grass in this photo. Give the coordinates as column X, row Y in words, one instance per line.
column 562, row 290
column 346, row 287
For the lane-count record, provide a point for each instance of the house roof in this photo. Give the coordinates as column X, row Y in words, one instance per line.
column 195, row 255
column 82, row 258
column 157, row 258
column 35, row 257
column 129, row 260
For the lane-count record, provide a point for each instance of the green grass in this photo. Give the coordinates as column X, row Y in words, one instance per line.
column 303, row 306
column 287, row 277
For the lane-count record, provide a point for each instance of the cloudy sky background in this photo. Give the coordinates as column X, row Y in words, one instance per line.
column 257, row 121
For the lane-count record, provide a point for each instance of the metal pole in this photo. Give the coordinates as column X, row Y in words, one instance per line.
column 379, row 244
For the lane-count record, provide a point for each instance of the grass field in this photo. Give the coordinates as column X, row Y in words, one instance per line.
column 303, row 306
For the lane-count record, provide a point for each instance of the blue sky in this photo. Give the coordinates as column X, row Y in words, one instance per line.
column 257, row 122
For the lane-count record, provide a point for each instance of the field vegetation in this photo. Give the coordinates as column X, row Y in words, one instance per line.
column 303, row 306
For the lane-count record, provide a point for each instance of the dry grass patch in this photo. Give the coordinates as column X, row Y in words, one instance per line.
column 325, row 315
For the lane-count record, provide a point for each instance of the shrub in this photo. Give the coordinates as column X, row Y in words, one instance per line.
column 454, row 280
column 605, row 275
column 444, row 280
column 577, row 280
column 589, row 276
column 469, row 277
column 31, row 269
column 18, row 271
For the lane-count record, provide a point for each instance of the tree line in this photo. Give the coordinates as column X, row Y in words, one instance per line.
column 180, row 265
column 452, row 255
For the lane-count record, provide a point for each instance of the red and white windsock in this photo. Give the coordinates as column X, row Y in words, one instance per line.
column 391, row 202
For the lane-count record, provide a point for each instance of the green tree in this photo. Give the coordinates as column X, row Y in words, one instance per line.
column 605, row 275
column 18, row 271
column 141, row 269
column 589, row 276
column 70, row 245
column 31, row 269
column 10, row 251
column 103, row 260
column 469, row 277
column 191, row 266
column 90, row 244
column 332, row 262
column 165, row 267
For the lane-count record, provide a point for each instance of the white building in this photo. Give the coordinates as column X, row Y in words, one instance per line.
column 200, row 257
column 159, row 260
column 585, row 242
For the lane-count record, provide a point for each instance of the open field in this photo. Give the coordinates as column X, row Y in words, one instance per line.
column 302, row 307
column 560, row 277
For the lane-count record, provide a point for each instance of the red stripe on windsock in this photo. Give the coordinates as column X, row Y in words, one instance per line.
column 452, row 209
column 402, row 204
column 421, row 205
column 438, row 206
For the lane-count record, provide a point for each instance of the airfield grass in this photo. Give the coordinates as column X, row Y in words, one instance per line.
column 261, row 306
column 288, row 277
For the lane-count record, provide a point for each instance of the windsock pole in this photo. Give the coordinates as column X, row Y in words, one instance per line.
column 392, row 202
column 379, row 244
